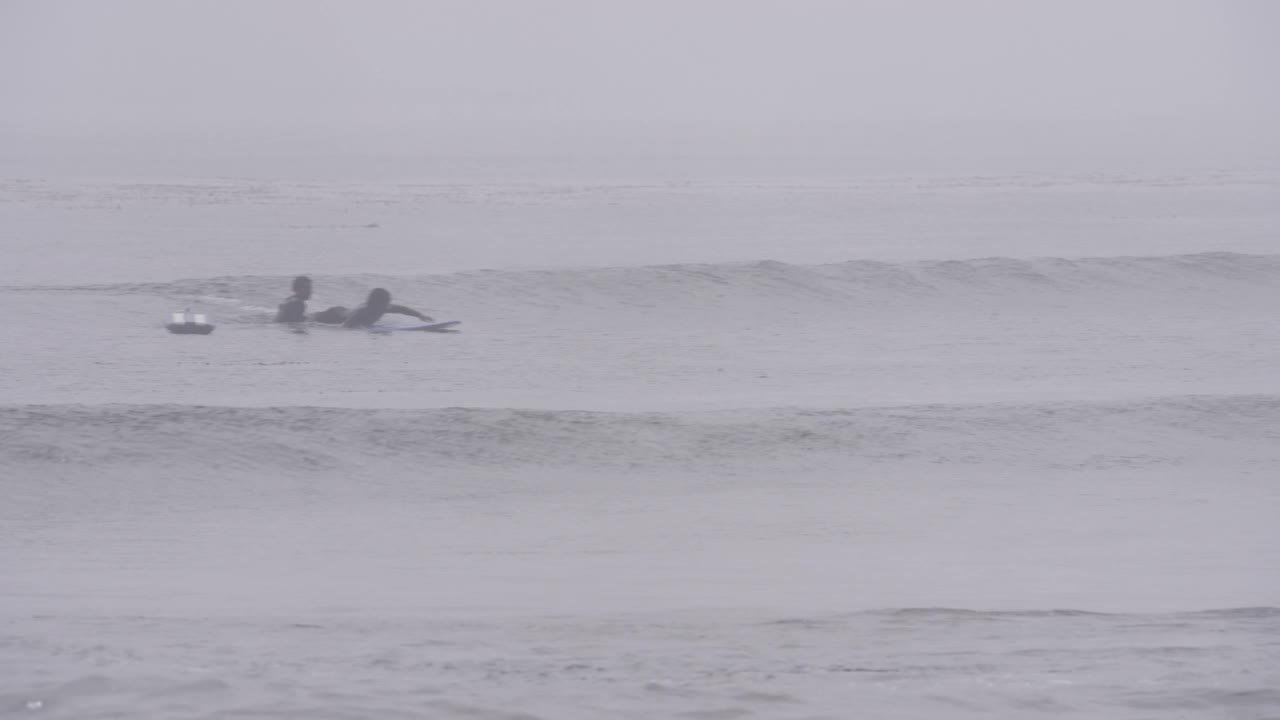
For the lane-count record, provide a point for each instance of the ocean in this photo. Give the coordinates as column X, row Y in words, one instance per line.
column 901, row 447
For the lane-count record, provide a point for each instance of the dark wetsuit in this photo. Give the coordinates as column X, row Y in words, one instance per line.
column 335, row 315
column 367, row 315
column 294, row 309
column 363, row 316
column 378, row 304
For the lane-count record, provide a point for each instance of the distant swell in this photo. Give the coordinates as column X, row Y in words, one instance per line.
column 753, row 289
column 948, row 615
column 1076, row 435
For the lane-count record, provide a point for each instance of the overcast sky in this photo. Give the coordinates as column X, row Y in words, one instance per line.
column 881, row 85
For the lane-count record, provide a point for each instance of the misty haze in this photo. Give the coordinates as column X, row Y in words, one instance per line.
column 704, row 359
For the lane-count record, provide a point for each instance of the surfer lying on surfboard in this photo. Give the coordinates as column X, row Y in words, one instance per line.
column 378, row 304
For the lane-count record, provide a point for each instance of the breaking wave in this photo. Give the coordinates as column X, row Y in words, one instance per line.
column 764, row 286
column 1156, row 432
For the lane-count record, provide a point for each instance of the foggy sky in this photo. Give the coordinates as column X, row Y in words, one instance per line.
column 854, row 84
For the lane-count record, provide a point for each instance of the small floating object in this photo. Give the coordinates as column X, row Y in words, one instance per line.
column 189, row 323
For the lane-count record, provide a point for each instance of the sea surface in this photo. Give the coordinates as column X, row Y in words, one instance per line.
column 908, row 447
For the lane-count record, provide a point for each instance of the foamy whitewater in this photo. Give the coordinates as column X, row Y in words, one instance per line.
column 984, row 447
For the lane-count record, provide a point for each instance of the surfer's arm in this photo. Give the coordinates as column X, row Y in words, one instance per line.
column 402, row 310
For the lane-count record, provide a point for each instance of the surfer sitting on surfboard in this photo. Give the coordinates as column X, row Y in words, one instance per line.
column 370, row 312
column 294, row 308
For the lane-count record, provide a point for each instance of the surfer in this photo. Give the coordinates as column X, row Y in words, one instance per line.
column 294, row 308
column 378, row 304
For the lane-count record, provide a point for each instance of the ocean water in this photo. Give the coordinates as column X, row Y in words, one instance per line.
column 902, row 447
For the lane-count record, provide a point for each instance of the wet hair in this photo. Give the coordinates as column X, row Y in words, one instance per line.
column 302, row 287
column 379, row 299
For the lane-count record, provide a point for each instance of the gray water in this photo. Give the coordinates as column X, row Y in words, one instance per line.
column 913, row 447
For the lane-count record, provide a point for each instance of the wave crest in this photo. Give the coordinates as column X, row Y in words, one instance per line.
column 760, row 288
column 1058, row 435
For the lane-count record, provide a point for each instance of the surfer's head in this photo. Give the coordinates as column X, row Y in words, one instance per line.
column 378, row 300
column 302, row 287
